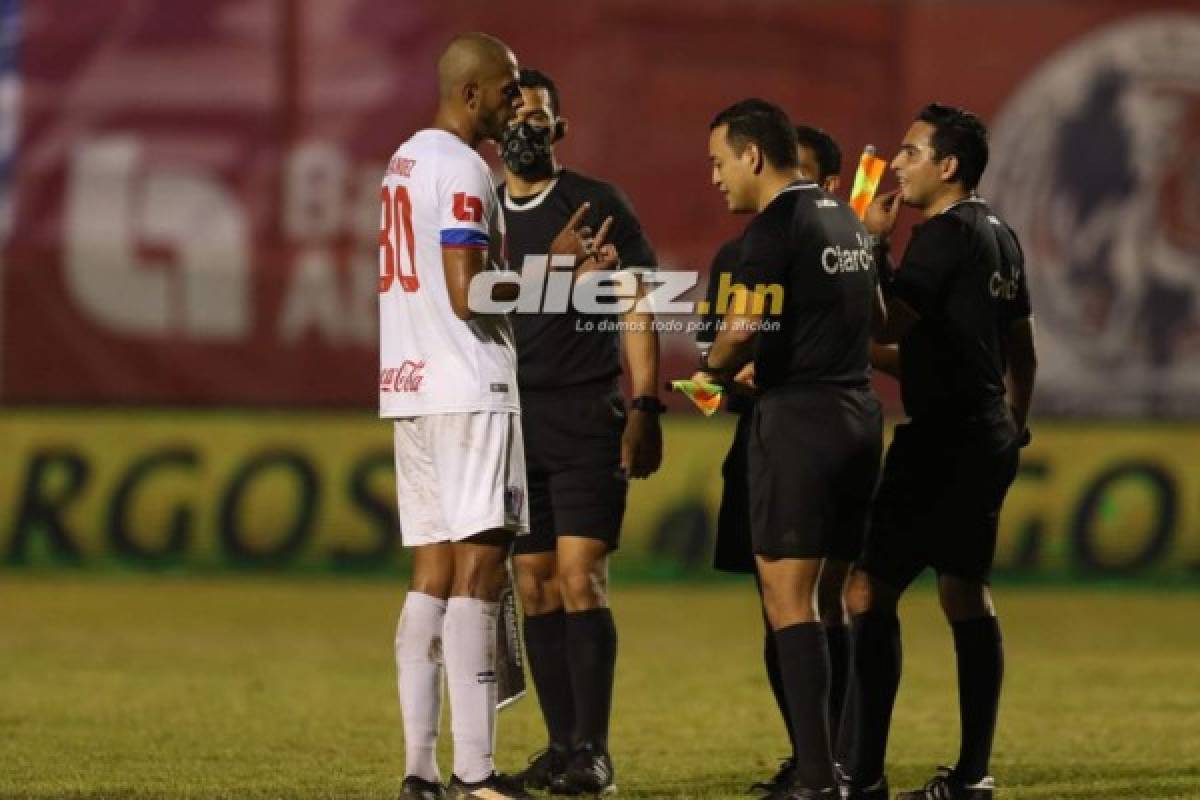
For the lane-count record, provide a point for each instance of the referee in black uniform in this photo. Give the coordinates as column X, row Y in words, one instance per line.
column 816, row 427
column 819, row 160
column 959, row 308
column 581, row 446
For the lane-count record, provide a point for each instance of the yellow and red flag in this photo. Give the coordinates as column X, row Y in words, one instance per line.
column 706, row 396
column 866, row 181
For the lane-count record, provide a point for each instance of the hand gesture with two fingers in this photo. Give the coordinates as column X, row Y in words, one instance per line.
column 590, row 248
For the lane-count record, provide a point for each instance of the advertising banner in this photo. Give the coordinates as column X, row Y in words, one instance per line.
column 315, row 491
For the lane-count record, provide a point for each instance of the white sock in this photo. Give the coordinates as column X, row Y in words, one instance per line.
column 419, row 677
column 470, row 647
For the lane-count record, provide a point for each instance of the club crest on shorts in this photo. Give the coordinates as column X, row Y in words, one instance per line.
column 514, row 500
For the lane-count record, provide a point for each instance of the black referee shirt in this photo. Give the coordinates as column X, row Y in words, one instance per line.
column 551, row 350
column 964, row 273
column 812, row 245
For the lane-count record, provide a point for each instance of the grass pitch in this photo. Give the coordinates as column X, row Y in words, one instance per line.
column 241, row 688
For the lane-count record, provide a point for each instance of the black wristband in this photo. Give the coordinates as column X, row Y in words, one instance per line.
column 648, row 403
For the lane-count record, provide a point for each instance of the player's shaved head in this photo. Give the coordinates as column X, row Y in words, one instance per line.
column 477, row 87
column 472, row 58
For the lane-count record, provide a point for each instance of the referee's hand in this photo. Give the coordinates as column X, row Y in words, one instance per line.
column 743, row 381
column 641, row 444
column 589, row 247
column 880, row 219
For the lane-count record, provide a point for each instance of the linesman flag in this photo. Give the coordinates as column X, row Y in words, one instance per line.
column 866, row 180
column 706, row 396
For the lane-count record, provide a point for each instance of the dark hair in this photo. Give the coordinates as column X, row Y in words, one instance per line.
column 536, row 79
column 764, row 124
column 959, row 133
column 829, row 155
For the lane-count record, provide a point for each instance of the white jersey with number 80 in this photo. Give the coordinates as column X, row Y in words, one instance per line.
column 437, row 192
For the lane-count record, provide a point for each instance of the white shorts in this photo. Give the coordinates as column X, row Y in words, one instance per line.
column 458, row 475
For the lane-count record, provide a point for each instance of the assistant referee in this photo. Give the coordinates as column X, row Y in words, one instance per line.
column 959, row 308
column 815, row 433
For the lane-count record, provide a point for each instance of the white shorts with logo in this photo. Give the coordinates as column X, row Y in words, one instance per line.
column 460, row 474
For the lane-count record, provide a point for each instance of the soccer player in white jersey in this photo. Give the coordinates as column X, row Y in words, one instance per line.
column 448, row 380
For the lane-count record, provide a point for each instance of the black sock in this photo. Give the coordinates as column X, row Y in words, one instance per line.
column 980, row 651
column 775, row 676
column 546, row 644
column 592, row 660
column 843, row 745
column 838, row 637
column 877, row 663
column 804, row 664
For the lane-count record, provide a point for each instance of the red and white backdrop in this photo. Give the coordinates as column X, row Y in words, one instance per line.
column 193, row 186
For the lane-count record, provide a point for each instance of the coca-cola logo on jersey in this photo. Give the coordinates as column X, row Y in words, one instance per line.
column 405, row 378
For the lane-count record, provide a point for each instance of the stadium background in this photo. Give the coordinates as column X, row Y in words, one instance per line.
column 189, row 222
column 198, row 554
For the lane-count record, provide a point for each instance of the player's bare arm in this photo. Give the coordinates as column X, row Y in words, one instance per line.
column 734, row 345
column 641, row 444
column 893, row 318
column 461, row 265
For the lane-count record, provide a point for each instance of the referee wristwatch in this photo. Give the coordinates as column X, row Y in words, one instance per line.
column 648, row 403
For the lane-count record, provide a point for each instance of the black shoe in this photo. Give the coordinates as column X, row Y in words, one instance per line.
column 415, row 788
column 813, row 794
column 782, row 778
column 493, row 787
column 589, row 772
column 545, row 768
column 876, row 791
column 793, row 792
column 946, row 786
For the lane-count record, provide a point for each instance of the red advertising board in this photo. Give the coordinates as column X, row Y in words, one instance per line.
column 195, row 186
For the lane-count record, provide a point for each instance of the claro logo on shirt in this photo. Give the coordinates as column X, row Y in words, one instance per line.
column 835, row 258
column 1002, row 288
column 405, row 378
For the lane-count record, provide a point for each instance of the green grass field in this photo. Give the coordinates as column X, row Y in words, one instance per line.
column 242, row 688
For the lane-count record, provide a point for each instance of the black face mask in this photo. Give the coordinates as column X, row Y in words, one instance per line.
column 526, row 151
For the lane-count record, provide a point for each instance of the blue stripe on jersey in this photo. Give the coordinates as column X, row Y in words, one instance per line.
column 464, row 236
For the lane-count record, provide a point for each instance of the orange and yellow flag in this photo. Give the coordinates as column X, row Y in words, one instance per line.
column 866, row 181
column 706, row 396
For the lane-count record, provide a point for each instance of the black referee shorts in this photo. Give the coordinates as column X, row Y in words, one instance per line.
column 939, row 499
column 734, row 552
column 814, row 462
column 573, row 458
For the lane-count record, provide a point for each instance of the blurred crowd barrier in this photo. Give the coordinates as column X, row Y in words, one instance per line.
column 190, row 189
column 309, row 491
